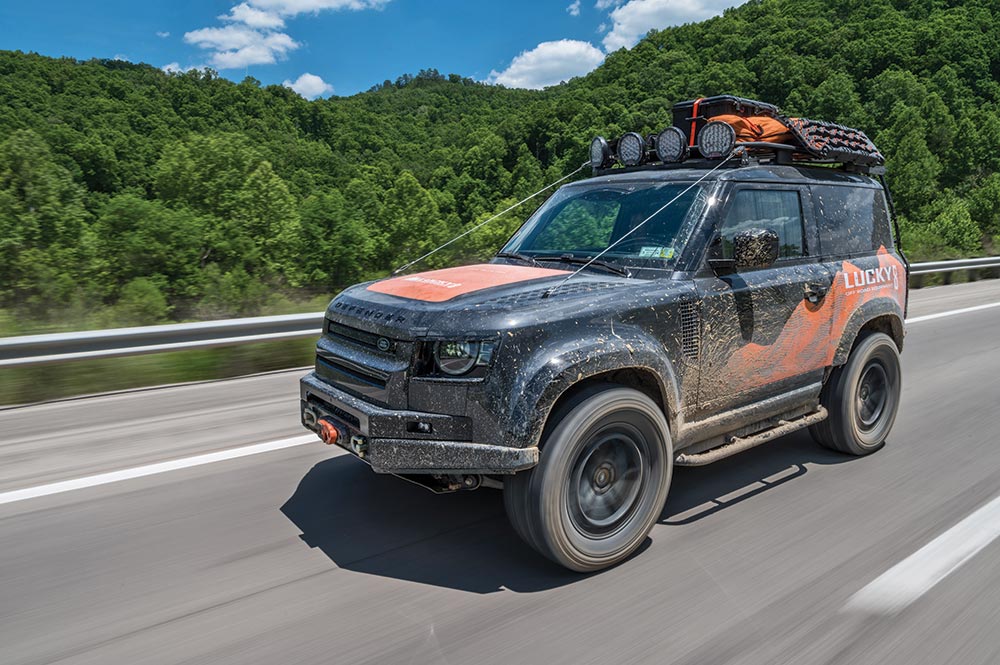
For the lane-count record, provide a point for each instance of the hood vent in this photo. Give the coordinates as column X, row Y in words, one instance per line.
column 572, row 288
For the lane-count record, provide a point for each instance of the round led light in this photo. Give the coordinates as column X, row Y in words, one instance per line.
column 716, row 140
column 600, row 152
column 631, row 149
column 456, row 358
column 671, row 145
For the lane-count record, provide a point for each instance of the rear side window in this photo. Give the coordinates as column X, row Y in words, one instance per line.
column 777, row 210
column 851, row 220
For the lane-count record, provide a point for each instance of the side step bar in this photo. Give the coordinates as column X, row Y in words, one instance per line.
column 738, row 445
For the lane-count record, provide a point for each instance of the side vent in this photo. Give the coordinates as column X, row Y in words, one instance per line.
column 691, row 330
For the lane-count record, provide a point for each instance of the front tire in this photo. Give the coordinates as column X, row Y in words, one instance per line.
column 601, row 482
column 862, row 398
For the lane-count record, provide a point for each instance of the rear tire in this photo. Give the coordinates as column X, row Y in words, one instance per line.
column 601, row 482
column 862, row 398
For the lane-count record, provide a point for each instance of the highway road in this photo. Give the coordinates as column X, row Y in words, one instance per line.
column 142, row 528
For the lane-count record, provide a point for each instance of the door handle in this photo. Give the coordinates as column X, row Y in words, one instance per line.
column 815, row 292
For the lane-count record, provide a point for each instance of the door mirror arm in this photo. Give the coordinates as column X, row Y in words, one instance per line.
column 722, row 267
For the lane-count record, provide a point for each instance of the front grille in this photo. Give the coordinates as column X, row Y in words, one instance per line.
column 363, row 382
column 365, row 340
column 690, row 330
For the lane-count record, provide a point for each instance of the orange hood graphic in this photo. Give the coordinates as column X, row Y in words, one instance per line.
column 442, row 285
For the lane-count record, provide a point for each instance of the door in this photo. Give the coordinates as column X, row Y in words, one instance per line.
column 763, row 329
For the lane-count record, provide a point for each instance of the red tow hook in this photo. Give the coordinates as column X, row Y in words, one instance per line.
column 328, row 432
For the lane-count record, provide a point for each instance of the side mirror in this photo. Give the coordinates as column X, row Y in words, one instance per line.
column 755, row 249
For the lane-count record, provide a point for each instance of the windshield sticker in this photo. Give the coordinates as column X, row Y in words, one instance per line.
column 656, row 252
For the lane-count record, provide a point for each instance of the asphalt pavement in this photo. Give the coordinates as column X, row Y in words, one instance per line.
column 302, row 555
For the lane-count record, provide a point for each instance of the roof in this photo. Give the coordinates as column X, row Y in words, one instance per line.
column 749, row 173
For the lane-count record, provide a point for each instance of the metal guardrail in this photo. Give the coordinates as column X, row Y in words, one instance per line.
column 91, row 344
column 932, row 267
column 61, row 347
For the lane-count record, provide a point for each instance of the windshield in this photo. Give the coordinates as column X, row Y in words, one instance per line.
column 582, row 221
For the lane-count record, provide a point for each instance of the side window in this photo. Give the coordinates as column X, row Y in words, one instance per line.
column 882, row 230
column 582, row 224
column 851, row 220
column 779, row 211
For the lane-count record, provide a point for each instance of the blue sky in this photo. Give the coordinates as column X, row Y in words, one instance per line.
column 323, row 47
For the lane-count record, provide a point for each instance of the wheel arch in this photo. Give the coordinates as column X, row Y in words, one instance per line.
column 642, row 379
column 882, row 315
column 629, row 362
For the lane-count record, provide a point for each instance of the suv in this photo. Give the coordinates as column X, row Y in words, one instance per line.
column 615, row 336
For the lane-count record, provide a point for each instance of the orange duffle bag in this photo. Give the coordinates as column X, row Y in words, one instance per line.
column 758, row 128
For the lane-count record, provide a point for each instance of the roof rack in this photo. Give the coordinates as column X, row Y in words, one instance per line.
column 709, row 129
column 756, row 154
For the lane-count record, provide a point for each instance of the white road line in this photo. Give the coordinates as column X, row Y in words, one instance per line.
column 914, row 576
column 941, row 315
column 153, row 469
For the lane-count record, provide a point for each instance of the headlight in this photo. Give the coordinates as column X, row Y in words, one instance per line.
column 632, row 149
column 458, row 358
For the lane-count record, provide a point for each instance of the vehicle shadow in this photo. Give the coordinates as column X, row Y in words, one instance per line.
column 385, row 526
column 699, row 492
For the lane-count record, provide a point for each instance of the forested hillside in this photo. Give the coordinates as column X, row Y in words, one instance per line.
column 128, row 195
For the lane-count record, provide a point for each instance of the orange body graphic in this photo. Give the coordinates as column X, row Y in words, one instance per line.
column 443, row 285
column 810, row 338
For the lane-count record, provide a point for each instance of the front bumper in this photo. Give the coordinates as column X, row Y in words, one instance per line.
column 385, row 438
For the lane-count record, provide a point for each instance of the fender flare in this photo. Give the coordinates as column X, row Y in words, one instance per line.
column 870, row 310
column 549, row 374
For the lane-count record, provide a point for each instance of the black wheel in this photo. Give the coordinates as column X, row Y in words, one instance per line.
column 862, row 397
column 601, row 482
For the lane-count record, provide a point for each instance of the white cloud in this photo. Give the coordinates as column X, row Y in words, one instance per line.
column 548, row 64
column 120, row 56
column 296, row 7
column 236, row 46
column 223, row 39
column 253, row 17
column 163, row 35
column 632, row 20
column 574, row 9
column 252, row 37
column 309, row 86
column 605, row 4
column 175, row 68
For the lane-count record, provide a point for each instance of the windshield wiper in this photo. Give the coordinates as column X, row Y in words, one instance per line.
column 583, row 260
column 517, row 256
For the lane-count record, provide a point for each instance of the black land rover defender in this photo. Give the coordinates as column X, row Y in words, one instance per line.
column 707, row 295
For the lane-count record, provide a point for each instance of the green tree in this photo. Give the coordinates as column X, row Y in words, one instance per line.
column 337, row 248
column 42, row 223
column 412, row 221
column 266, row 212
column 142, row 303
column 137, row 238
